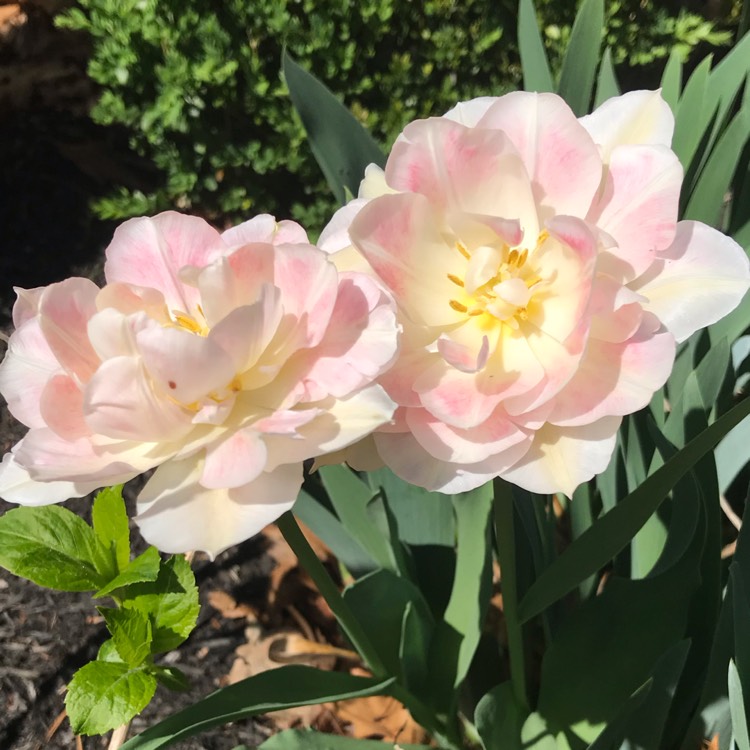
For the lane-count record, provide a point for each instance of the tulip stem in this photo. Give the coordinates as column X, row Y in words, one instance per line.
column 505, row 536
column 329, row 591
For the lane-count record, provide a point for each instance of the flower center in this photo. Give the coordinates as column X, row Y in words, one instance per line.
column 195, row 324
column 498, row 282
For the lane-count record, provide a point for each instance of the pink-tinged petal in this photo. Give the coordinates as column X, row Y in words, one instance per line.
column 463, row 169
column 463, row 357
column 360, row 343
column 493, row 436
column 373, row 183
column 471, row 112
column 48, row 457
column 409, row 460
column 26, row 305
column 636, row 117
column 285, row 422
column 150, row 252
column 338, row 423
column 400, row 237
column 16, row 486
column 616, row 311
column 245, row 332
column 64, row 312
column 362, row 456
column 235, row 281
column 335, row 235
column 113, row 334
column 61, row 407
column 183, row 366
column 553, row 146
column 119, row 402
column 308, row 283
column 28, row 365
column 176, row 514
column 615, row 379
column 475, row 230
column 561, row 458
column 638, row 206
column 264, row 228
column 236, row 460
column 696, row 281
column 399, row 379
column 128, row 299
column 565, row 262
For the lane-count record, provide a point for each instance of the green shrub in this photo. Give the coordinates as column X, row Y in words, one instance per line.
column 197, row 85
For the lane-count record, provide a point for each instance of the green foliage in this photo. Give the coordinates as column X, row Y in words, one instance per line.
column 156, row 602
column 197, row 84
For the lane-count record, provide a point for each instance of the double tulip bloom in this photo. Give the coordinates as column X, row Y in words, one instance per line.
column 493, row 304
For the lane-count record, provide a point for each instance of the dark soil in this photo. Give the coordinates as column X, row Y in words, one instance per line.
column 53, row 161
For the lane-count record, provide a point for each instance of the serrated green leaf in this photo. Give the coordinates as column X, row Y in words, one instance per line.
column 170, row 602
column 52, row 547
column 536, row 72
column 110, row 521
column 105, row 695
column 606, row 86
column 578, row 70
column 342, row 147
column 131, row 634
column 307, row 739
column 613, row 531
column 172, row 678
column 273, row 690
column 108, row 652
column 144, row 568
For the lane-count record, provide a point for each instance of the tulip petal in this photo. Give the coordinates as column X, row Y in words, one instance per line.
column 696, row 281
column 177, row 514
column 61, row 407
column 235, row 461
column 561, row 458
column 264, row 228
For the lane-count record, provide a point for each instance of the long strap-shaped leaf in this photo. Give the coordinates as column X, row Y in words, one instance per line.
column 613, row 531
column 536, row 72
column 273, row 690
column 342, row 147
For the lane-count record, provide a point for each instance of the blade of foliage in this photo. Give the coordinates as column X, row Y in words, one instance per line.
column 606, row 86
column 693, row 114
column 614, row 530
column 707, row 197
column 306, row 739
column 612, row 736
column 350, row 497
column 325, row 525
column 536, row 72
column 671, row 79
column 417, row 628
column 342, row 147
column 110, row 521
column 423, row 517
column 582, row 56
column 379, row 601
column 54, row 548
column 144, row 568
column 581, row 519
column 170, row 603
column 274, row 690
column 737, row 709
column 105, row 695
column 131, row 634
column 621, row 633
column 499, row 718
column 457, row 636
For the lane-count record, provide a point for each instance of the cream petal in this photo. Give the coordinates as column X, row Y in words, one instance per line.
column 176, row 514
column 561, row 458
column 234, row 461
column 264, row 228
column 61, row 407
column 696, row 281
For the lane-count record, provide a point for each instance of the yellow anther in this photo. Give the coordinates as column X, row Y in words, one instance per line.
column 522, row 258
column 543, row 237
column 521, row 313
column 462, row 249
column 457, row 306
column 476, row 311
column 531, row 280
column 185, row 321
column 512, row 257
column 455, row 280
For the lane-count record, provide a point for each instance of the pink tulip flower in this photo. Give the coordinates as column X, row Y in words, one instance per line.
column 222, row 360
column 542, row 280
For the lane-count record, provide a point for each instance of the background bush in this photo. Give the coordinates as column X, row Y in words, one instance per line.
column 197, row 84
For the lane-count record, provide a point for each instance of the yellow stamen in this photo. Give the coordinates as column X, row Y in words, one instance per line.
column 476, row 311
column 512, row 257
column 522, row 258
column 543, row 237
column 185, row 321
column 455, row 280
column 462, row 249
column 457, row 306
column 532, row 280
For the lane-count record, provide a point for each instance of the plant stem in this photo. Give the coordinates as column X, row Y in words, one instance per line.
column 505, row 535
column 329, row 591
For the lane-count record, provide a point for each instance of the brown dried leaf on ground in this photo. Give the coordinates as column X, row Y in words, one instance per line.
column 712, row 744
